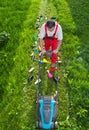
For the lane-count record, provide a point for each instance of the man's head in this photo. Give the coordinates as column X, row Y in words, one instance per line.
column 51, row 25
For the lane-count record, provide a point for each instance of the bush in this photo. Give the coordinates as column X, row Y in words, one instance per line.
column 4, row 37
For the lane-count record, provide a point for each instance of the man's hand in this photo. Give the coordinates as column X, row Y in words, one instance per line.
column 55, row 51
column 43, row 51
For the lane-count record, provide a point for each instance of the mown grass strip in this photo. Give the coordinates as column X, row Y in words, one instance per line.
column 63, row 98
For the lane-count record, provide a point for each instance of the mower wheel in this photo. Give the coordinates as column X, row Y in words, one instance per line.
column 40, row 124
column 56, row 124
column 37, row 124
column 52, row 125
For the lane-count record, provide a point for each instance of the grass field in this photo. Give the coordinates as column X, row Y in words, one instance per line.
column 17, row 97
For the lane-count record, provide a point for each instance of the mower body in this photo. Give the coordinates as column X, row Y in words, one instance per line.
column 46, row 112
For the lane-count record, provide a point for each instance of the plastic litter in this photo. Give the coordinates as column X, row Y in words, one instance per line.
column 45, row 61
column 40, row 61
column 36, row 50
column 37, row 25
column 36, row 42
column 49, row 74
column 38, row 81
column 30, row 78
column 56, row 79
column 59, row 61
column 34, row 38
column 31, row 70
column 32, row 54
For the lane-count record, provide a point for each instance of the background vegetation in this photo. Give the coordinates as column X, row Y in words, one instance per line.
column 17, row 97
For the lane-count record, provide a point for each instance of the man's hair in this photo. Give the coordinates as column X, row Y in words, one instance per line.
column 50, row 23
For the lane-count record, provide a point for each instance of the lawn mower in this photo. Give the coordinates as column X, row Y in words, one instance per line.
column 46, row 108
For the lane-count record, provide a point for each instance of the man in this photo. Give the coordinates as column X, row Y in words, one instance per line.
column 50, row 38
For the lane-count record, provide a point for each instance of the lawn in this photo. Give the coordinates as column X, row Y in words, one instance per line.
column 17, row 96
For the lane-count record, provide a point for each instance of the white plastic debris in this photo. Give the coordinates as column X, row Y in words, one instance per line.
column 32, row 54
column 31, row 70
column 59, row 61
column 38, row 81
column 36, row 42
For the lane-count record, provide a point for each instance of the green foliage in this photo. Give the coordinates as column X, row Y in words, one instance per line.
column 4, row 37
column 17, row 98
column 73, row 16
column 18, row 19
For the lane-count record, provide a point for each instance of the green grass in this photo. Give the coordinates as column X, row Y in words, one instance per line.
column 74, row 19
column 15, row 67
column 17, row 97
column 12, row 15
column 63, row 103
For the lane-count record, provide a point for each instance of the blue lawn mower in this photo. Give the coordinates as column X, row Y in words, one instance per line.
column 46, row 109
column 47, row 112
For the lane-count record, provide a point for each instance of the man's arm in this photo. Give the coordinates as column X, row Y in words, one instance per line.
column 41, row 44
column 41, row 36
column 60, row 37
column 59, row 44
